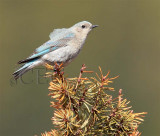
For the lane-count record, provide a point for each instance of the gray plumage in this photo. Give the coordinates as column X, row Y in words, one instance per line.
column 64, row 45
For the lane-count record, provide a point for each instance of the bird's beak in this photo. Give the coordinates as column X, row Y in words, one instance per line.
column 94, row 26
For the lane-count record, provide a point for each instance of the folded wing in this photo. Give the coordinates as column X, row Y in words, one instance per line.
column 61, row 40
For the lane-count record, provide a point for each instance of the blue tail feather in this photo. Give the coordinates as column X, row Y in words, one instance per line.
column 22, row 70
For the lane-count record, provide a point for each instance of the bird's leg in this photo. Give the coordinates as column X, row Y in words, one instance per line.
column 58, row 67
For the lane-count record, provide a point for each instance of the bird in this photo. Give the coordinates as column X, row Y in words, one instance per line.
column 64, row 45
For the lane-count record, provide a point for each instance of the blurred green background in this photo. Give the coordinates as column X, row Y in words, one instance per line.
column 127, row 42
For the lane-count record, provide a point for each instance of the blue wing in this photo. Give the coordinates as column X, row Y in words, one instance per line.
column 49, row 47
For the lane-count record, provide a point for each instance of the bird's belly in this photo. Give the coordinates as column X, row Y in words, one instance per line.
column 62, row 55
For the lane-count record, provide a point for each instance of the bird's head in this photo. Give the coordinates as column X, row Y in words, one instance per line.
column 83, row 28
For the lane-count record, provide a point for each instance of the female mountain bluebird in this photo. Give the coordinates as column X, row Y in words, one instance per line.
column 64, row 45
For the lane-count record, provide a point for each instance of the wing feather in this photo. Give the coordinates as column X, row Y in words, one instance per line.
column 49, row 46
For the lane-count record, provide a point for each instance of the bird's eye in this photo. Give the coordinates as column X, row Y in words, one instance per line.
column 83, row 26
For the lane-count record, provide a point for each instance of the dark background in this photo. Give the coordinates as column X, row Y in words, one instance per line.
column 127, row 42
